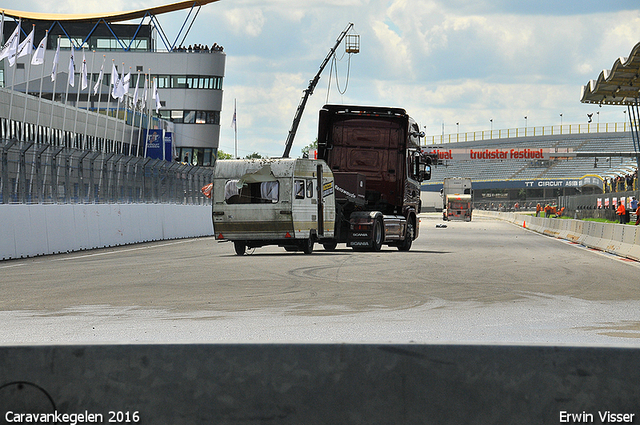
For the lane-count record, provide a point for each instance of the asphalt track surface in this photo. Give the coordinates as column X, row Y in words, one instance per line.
column 482, row 282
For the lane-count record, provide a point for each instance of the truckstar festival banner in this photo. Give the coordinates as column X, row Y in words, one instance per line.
column 496, row 154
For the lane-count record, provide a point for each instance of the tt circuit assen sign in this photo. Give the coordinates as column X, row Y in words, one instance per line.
column 585, row 181
column 496, row 154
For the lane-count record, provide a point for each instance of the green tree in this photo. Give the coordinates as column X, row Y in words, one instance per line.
column 310, row 146
column 254, row 155
column 224, row 155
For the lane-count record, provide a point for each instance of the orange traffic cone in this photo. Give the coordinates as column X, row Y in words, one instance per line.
column 524, row 224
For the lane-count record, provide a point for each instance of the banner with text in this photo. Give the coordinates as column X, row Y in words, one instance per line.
column 499, row 154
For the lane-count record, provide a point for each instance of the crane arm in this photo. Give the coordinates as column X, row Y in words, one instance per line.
column 309, row 91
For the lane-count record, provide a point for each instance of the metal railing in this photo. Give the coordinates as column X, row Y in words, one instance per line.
column 41, row 173
column 549, row 130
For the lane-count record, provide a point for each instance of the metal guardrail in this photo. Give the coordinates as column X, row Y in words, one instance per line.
column 508, row 133
column 39, row 173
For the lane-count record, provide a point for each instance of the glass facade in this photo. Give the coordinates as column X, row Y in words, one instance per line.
column 197, row 156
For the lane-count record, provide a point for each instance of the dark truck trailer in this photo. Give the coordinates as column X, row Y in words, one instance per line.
column 375, row 156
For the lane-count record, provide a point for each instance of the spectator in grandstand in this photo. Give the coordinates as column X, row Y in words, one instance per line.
column 629, row 179
column 622, row 212
column 634, row 203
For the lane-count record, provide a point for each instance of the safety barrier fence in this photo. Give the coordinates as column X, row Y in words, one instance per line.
column 619, row 239
column 41, row 173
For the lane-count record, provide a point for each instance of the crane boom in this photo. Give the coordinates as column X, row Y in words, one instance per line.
column 309, row 91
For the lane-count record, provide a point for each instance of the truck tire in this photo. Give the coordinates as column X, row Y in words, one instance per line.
column 307, row 246
column 408, row 237
column 240, row 247
column 330, row 246
column 378, row 234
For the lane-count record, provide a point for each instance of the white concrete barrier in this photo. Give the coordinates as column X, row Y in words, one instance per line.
column 30, row 230
column 619, row 239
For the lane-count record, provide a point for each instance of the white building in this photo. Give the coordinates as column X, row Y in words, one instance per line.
column 189, row 84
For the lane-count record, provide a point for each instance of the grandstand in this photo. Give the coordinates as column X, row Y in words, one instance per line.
column 538, row 179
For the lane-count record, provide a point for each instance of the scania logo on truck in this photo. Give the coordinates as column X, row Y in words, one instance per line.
column 360, row 235
column 360, row 243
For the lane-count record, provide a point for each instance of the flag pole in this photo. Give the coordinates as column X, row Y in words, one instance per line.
column 99, row 86
column 13, row 73
column 146, row 142
column 115, row 130
column 126, row 112
column 26, row 88
column 75, row 121
column 133, row 118
column 72, row 77
column 235, row 127
column 46, row 34
column 113, row 83
column 54, row 80
column 86, row 120
column 142, row 107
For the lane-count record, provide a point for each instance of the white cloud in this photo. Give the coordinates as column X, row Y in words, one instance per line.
column 247, row 21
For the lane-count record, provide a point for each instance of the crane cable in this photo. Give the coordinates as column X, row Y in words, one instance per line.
column 335, row 61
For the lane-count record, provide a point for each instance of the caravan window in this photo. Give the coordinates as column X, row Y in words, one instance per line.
column 309, row 188
column 251, row 193
column 298, row 186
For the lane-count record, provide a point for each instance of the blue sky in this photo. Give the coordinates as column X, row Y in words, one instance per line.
column 449, row 61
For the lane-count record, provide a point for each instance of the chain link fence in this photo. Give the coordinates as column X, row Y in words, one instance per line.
column 39, row 173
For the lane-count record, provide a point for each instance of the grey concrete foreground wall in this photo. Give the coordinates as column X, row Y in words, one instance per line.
column 619, row 239
column 321, row 384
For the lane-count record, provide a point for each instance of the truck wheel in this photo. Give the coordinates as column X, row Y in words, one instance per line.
column 378, row 235
column 408, row 237
column 240, row 248
column 330, row 246
column 307, row 246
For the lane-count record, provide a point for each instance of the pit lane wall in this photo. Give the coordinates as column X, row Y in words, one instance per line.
column 619, row 239
column 355, row 384
column 31, row 230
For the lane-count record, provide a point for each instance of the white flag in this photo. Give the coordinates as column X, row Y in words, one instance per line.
column 126, row 80
column 72, row 68
column 97, row 85
column 135, row 92
column 115, row 80
column 38, row 56
column 84, row 83
column 54, row 69
column 15, row 35
column 26, row 47
column 156, row 95
column 144, row 93
column 13, row 50
column 118, row 90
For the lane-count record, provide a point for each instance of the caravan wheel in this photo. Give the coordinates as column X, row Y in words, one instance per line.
column 240, row 247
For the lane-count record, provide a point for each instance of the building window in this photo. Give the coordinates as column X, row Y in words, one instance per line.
column 188, row 82
column 191, row 117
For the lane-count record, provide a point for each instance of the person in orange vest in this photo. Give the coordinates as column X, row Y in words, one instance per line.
column 538, row 209
column 547, row 211
column 638, row 215
column 622, row 212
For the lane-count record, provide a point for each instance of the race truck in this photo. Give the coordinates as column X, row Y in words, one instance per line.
column 363, row 190
column 457, row 199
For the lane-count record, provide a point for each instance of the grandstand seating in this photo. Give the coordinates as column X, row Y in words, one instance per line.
column 523, row 169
